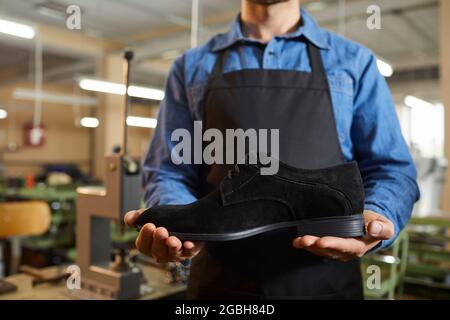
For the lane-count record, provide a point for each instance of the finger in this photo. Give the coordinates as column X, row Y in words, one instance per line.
column 343, row 245
column 381, row 230
column 305, row 241
column 145, row 239
column 328, row 253
column 174, row 248
column 190, row 248
column 131, row 216
column 159, row 247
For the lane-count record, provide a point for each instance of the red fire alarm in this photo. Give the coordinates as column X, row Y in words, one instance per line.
column 34, row 136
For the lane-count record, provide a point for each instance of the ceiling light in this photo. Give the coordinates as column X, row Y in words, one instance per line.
column 102, row 86
column 315, row 6
column 3, row 114
column 141, row 122
column 146, row 93
column 49, row 12
column 385, row 68
column 16, row 29
column 51, row 9
column 53, row 97
column 171, row 54
column 89, row 122
column 414, row 102
column 117, row 88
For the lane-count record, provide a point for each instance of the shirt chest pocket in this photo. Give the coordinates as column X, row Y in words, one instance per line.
column 342, row 95
column 341, row 83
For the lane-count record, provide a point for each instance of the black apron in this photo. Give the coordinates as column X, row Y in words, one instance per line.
column 268, row 266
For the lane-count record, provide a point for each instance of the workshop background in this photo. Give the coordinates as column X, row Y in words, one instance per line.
column 61, row 100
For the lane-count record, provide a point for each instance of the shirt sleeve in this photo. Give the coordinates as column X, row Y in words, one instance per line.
column 165, row 182
column 386, row 165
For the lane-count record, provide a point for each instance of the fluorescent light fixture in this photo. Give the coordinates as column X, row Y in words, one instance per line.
column 146, row 93
column 141, row 122
column 17, row 29
column 89, row 122
column 414, row 102
column 117, row 88
column 385, row 68
column 170, row 54
column 3, row 114
column 49, row 12
column 53, row 97
column 102, row 86
column 51, row 9
column 315, row 6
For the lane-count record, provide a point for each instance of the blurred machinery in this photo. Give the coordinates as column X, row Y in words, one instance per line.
column 96, row 207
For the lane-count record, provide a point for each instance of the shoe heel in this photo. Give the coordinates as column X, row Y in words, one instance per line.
column 344, row 227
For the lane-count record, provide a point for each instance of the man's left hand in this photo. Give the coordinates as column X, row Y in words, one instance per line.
column 377, row 228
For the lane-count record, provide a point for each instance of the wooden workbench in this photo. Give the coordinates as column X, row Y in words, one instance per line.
column 156, row 287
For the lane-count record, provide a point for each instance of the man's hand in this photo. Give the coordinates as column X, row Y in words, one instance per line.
column 156, row 242
column 377, row 228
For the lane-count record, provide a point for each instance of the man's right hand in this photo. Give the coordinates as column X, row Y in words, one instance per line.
column 156, row 242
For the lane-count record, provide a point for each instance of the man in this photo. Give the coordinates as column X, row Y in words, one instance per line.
column 274, row 49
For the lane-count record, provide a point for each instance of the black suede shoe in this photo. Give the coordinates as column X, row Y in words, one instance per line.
column 323, row 202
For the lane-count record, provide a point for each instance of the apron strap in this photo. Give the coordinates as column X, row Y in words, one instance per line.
column 219, row 65
column 315, row 60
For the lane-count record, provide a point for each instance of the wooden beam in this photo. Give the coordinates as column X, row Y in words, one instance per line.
column 445, row 85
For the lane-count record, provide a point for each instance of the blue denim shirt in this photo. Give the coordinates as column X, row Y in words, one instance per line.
column 366, row 120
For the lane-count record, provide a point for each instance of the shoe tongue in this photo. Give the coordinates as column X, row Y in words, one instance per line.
column 246, row 168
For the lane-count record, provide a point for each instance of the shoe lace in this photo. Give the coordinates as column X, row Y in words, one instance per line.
column 233, row 172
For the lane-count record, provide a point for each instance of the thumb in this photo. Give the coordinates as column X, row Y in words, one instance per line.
column 131, row 216
column 381, row 230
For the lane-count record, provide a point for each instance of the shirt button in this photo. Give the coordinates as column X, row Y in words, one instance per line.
column 271, row 53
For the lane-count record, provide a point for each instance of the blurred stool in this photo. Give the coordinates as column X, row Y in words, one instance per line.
column 19, row 219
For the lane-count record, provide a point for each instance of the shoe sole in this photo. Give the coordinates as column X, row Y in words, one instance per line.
column 343, row 226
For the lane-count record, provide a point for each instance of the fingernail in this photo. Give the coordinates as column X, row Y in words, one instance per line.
column 376, row 228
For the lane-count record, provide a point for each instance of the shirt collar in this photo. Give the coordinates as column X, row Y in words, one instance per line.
column 309, row 28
